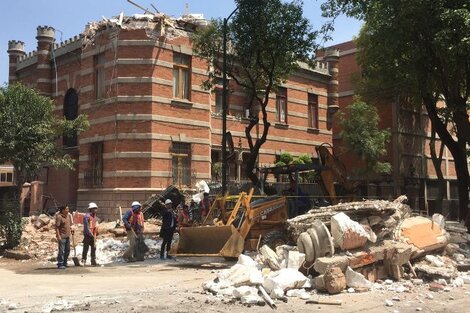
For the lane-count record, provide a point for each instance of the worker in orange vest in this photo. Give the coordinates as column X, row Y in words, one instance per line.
column 134, row 224
column 90, row 231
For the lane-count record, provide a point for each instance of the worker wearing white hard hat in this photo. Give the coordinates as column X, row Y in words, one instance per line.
column 168, row 228
column 90, row 232
column 134, row 224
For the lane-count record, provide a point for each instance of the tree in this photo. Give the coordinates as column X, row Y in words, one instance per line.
column 421, row 49
column 267, row 40
column 362, row 136
column 29, row 131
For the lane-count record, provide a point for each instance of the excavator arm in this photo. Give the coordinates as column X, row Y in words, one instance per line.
column 335, row 170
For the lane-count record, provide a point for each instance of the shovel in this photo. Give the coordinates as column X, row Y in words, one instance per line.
column 75, row 259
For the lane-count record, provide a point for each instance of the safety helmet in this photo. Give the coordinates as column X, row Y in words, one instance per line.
column 136, row 203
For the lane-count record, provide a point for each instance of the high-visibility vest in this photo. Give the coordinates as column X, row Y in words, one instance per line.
column 136, row 218
column 91, row 223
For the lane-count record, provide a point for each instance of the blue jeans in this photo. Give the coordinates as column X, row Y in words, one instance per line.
column 64, row 251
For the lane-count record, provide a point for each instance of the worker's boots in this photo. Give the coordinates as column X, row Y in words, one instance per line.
column 93, row 263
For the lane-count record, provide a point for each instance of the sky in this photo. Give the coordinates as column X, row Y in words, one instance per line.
column 19, row 18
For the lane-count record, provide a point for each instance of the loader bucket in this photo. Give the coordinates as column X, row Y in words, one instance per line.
column 223, row 241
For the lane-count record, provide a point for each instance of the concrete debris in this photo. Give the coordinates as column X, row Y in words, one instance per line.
column 390, row 213
column 245, row 281
column 41, row 244
column 335, row 281
column 270, row 258
column 321, row 265
column 436, row 287
column 439, row 219
column 434, row 260
column 244, row 291
column 436, row 266
column 155, row 26
column 388, row 302
column 285, row 279
column 423, row 234
column 347, row 233
column 59, row 305
column 356, row 280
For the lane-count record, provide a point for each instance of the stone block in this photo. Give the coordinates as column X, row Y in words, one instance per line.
column 347, row 233
column 335, row 281
column 321, row 265
column 320, row 282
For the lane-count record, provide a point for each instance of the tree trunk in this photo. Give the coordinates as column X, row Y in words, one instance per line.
column 254, row 148
column 437, row 162
column 461, row 169
column 19, row 181
column 457, row 149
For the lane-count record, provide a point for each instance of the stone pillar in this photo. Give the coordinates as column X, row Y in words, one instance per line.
column 15, row 51
column 37, row 191
column 332, row 58
column 45, row 38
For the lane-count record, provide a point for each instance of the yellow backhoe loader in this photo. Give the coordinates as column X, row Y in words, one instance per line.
column 235, row 224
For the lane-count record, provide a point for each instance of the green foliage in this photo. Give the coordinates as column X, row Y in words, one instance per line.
column 305, row 158
column 11, row 225
column 266, row 41
column 362, row 136
column 29, row 131
column 286, row 158
column 417, row 49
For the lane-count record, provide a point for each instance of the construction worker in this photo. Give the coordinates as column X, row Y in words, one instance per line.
column 205, row 206
column 183, row 215
column 167, row 229
column 134, row 224
column 90, row 231
column 63, row 230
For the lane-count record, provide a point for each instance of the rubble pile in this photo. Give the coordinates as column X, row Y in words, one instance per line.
column 270, row 275
column 380, row 215
column 39, row 240
column 155, row 25
column 352, row 247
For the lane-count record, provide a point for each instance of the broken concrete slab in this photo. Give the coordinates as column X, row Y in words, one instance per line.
column 422, row 233
column 392, row 211
column 356, row 280
column 285, row 279
column 270, row 258
column 347, row 233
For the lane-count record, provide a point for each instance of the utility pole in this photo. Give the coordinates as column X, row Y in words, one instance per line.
column 224, row 105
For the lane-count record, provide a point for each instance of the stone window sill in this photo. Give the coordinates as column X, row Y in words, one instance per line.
column 281, row 125
column 99, row 101
column 182, row 103
column 313, row 130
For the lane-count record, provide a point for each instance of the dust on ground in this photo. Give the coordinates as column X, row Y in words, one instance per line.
column 175, row 286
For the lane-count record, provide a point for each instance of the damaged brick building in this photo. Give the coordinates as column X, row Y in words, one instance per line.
column 151, row 122
column 413, row 172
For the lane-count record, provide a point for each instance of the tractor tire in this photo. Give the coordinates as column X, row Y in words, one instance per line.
column 305, row 245
column 274, row 239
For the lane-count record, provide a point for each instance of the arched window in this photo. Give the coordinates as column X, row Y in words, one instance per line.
column 70, row 113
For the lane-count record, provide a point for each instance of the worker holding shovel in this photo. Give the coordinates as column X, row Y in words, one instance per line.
column 90, row 231
column 134, row 224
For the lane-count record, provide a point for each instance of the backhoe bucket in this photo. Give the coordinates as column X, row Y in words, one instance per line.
column 223, row 241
